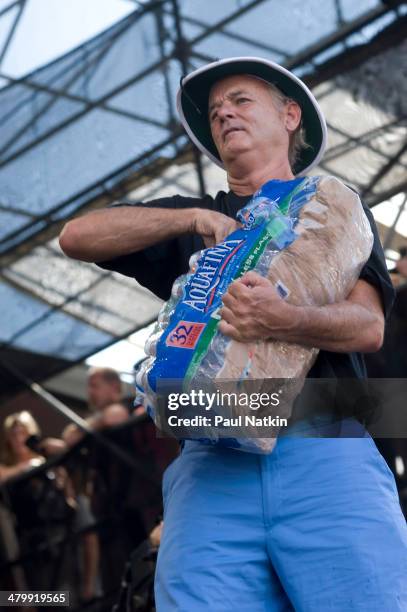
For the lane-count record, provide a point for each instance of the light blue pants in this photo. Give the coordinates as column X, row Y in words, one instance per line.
column 314, row 527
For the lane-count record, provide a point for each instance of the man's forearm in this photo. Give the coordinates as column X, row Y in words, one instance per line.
column 254, row 310
column 343, row 327
column 108, row 233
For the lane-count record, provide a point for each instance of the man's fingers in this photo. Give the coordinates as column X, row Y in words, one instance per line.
column 252, row 279
column 227, row 315
column 228, row 330
column 209, row 241
column 229, row 300
column 237, row 289
column 213, row 226
column 222, row 232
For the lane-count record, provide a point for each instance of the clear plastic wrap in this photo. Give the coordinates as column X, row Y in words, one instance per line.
column 310, row 237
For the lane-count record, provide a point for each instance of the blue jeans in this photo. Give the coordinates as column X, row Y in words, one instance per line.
column 314, row 526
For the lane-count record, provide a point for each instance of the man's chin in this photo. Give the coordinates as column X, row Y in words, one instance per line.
column 231, row 153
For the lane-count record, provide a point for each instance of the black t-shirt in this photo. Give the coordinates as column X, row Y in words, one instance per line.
column 158, row 266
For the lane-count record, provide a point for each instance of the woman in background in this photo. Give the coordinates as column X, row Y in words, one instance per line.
column 41, row 505
column 17, row 456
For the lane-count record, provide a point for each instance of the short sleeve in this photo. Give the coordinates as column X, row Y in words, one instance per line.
column 158, row 266
column 375, row 271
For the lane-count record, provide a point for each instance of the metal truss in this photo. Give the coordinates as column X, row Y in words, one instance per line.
column 183, row 50
column 13, row 276
column 17, row 7
column 387, row 243
column 174, row 46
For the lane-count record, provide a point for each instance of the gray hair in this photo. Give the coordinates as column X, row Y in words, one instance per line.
column 297, row 138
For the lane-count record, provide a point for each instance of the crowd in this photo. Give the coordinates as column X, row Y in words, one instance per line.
column 71, row 512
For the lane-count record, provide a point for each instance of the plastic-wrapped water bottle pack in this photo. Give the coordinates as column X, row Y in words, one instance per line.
column 310, row 237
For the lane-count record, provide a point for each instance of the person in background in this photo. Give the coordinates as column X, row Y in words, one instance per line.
column 399, row 272
column 402, row 262
column 104, row 395
column 391, row 360
column 17, row 456
column 104, row 389
column 105, row 399
column 42, row 505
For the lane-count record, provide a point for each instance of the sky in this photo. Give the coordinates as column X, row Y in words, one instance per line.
column 47, row 30
column 50, row 28
column 124, row 354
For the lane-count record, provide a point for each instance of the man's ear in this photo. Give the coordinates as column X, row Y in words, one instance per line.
column 292, row 115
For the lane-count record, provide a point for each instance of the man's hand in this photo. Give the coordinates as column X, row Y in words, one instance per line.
column 53, row 446
column 112, row 415
column 253, row 310
column 212, row 226
column 155, row 535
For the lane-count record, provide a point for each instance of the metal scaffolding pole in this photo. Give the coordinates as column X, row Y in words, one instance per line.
column 182, row 51
column 12, row 29
column 385, row 170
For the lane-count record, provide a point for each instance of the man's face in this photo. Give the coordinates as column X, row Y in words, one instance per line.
column 244, row 117
column 101, row 392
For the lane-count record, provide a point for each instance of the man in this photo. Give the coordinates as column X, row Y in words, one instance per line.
column 402, row 262
column 104, row 390
column 316, row 525
column 104, row 393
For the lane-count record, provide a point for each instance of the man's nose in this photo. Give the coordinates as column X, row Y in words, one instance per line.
column 226, row 111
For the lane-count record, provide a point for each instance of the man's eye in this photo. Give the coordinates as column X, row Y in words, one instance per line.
column 240, row 100
column 213, row 116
